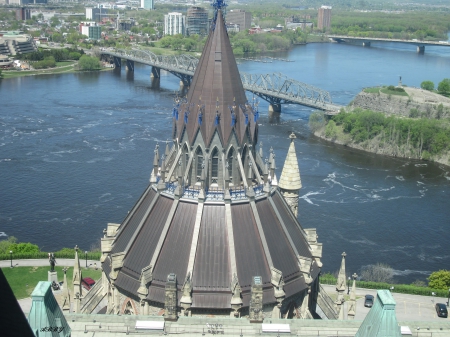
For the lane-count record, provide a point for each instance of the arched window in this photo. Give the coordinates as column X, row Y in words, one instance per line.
column 199, row 163
column 185, row 160
column 230, row 159
column 215, row 166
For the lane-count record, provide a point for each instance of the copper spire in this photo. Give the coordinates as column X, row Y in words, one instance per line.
column 217, row 84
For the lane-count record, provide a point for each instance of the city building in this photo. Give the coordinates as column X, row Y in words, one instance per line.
column 23, row 14
column 12, row 43
column 324, row 17
column 174, row 23
column 239, row 17
column 295, row 22
column 197, row 21
column 95, row 32
column 93, row 14
column 147, row 4
column 91, row 29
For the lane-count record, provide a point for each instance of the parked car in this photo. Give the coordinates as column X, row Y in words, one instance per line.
column 441, row 310
column 87, row 283
column 368, row 301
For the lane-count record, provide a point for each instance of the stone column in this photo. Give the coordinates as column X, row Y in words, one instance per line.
column 256, row 301
column 170, row 303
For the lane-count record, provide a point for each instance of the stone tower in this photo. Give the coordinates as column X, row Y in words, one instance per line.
column 290, row 182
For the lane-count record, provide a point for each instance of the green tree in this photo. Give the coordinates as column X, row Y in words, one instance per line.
column 427, row 85
column 74, row 55
column 331, row 129
column 444, row 87
column 439, row 279
column 88, row 63
column 5, row 244
column 1, row 76
column 24, row 248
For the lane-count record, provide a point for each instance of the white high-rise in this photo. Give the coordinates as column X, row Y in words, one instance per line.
column 147, row 4
column 174, row 23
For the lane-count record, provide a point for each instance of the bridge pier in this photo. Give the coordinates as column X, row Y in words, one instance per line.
column 156, row 72
column 117, row 62
column 366, row 44
column 274, row 108
column 420, row 49
column 130, row 65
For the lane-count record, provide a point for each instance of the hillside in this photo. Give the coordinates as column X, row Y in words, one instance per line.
column 410, row 124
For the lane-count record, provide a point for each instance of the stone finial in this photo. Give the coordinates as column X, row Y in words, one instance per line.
column 236, row 300
column 77, row 275
column 340, row 287
column 290, row 176
column 186, row 298
column 352, row 303
column 166, row 153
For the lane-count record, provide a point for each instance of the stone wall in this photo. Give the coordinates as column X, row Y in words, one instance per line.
column 397, row 105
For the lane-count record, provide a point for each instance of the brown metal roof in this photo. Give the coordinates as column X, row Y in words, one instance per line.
column 141, row 251
column 281, row 252
column 295, row 286
column 174, row 255
column 129, row 227
column 216, row 82
column 156, row 292
column 292, row 227
column 211, row 300
column 250, row 258
column 212, row 262
column 127, row 283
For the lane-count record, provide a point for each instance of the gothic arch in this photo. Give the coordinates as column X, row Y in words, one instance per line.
column 214, row 166
column 231, row 159
column 129, row 307
column 199, row 158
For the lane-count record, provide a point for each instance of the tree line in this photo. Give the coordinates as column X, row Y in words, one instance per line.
column 418, row 138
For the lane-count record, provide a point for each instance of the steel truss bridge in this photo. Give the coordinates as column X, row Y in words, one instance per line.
column 275, row 88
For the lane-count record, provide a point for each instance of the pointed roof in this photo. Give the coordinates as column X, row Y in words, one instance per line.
column 381, row 319
column 290, row 176
column 216, row 99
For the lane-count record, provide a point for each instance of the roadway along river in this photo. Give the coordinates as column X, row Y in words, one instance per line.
column 76, row 152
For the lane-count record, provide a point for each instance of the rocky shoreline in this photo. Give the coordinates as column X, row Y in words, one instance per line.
column 427, row 104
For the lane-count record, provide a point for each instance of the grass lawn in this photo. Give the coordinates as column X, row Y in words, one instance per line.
column 393, row 92
column 64, row 63
column 23, row 280
column 63, row 69
column 374, row 90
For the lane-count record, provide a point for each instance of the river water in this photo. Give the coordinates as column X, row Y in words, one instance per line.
column 76, row 153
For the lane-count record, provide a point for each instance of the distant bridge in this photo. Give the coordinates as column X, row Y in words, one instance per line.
column 366, row 41
column 275, row 88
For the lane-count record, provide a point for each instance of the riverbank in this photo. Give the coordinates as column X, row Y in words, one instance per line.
column 415, row 124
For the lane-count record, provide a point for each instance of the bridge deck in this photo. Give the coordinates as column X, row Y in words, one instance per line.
column 274, row 88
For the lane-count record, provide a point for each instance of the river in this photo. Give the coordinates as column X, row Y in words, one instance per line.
column 76, row 153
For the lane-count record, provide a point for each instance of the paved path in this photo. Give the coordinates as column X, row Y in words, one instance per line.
column 25, row 303
column 408, row 307
column 44, row 262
